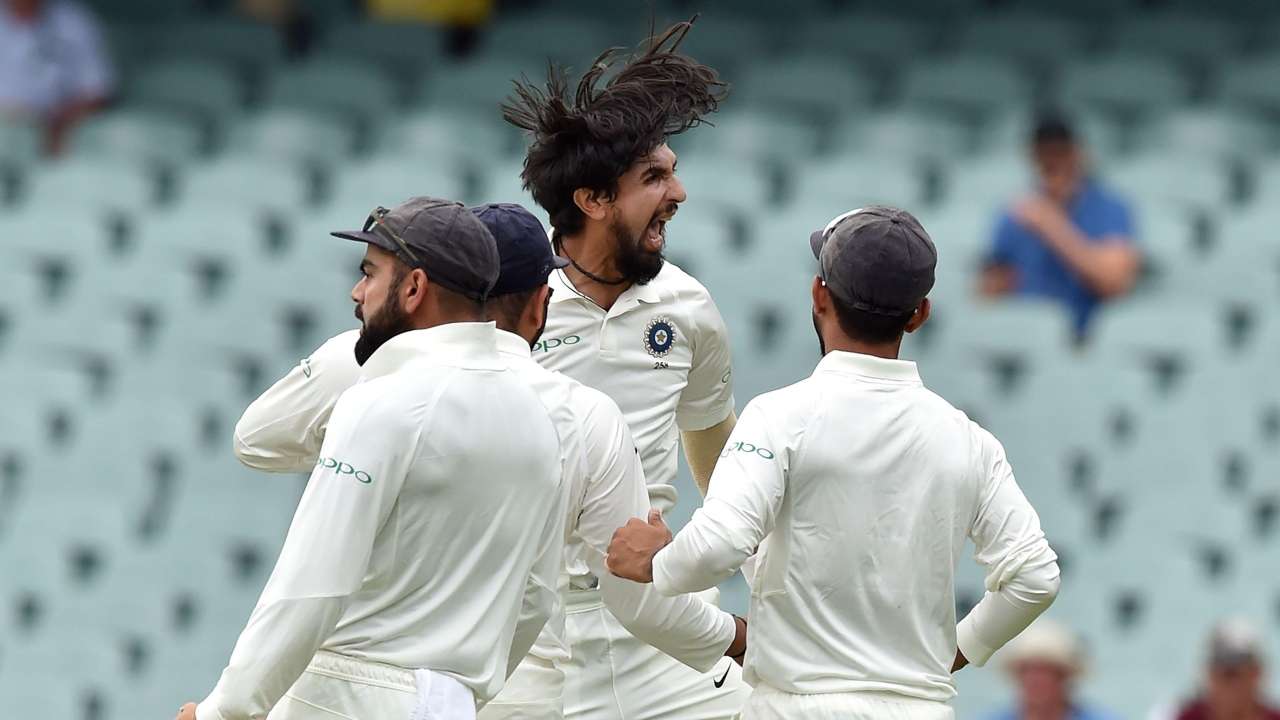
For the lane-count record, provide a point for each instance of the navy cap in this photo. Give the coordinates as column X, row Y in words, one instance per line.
column 524, row 250
column 878, row 259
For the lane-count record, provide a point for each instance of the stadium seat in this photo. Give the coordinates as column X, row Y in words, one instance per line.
column 989, row 182
column 904, row 134
column 387, row 181
column 96, row 184
column 137, row 137
column 248, row 184
column 20, row 144
column 1125, row 84
column 850, row 181
column 250, row 47
column 1027, row 37
column 881, row 37
column 396, row 47
column 480, row 85
column 973, row 85
column 1199, row 37
column 469, row 138
column 502, row 183
column 1249, row 84
column 1138, row 332
column 346, row 90
column 1207, row 132
column 207, row 92
column 756, row 135
column 803, row 86
column 292, row 135
column 718, row 37
column 1178, row 179
column 726, row 183
column 1010, row 132
column 571, row 39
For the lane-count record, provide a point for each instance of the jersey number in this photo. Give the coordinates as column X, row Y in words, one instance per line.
column 660, row 365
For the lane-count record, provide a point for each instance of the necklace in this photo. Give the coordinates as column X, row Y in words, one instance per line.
column 590, row 275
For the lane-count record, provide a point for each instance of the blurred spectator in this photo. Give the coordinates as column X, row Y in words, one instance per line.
column 53, row 67
column 1070, row 239
column 461, row 19
column 1233, row 678
column 1044, row 662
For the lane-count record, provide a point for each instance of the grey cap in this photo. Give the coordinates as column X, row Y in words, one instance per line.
column 878, row 259
column 439, row 236
column 1233, row 643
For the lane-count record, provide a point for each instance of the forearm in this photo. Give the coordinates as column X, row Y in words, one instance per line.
column 277, row 644
column 1008, row 606
column 1108, row 269
column 685, row 627
column 708, row 551
column 702, row 449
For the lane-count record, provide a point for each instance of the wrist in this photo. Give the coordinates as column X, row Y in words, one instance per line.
column 738, row 648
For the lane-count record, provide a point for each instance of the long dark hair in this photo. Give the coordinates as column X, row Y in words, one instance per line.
column 590, row 139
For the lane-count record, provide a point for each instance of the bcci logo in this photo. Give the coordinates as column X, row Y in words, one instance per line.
column 659, row 336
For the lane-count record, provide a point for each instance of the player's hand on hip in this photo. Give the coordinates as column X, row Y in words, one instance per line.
column 187, row 712
column 633, row 546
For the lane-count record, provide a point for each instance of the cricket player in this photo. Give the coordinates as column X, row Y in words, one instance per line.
column 859, row 486
column 625, row 322
column 282, row 431
column 423, row 558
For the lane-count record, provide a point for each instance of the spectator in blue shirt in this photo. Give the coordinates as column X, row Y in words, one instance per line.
column 1070, row 240
column 1044, row 662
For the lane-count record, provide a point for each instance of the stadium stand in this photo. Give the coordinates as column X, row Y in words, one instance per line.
column 176, row 260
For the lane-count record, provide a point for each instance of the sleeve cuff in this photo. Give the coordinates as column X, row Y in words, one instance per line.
column 973, row 649
column 696, row 421
column 208, row 710
column 663, row 582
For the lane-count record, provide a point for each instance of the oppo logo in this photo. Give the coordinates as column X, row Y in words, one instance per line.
column 552, row 343
column 748, row 448
column 341, row 468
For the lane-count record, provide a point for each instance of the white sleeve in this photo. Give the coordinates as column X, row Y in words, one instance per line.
column 326, row 555
column 707, row 398
column 687, row 628
column 741, row 507
column 1022, row 570
column 282, row 430
column 541, row 597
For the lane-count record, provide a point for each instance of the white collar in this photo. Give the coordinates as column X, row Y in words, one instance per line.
column 468, row 344
column 510, row 343
column 870, row 366
column 565, row 290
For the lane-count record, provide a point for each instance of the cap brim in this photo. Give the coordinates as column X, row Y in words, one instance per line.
column 817, row 239
column 366, row 237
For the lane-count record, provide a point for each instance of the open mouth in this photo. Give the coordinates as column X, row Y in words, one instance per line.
column 655, row 235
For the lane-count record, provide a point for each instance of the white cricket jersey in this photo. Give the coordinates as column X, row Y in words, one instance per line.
column 866, row 485
column 282, row 430
column 661, row 352
column 429, row 535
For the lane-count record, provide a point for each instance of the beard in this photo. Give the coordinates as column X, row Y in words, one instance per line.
column 635, row 263
column 822, row 345
column 389, row 322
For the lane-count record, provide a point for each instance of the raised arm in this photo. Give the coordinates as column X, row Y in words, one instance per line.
column 1022, row 570
column 282, row 430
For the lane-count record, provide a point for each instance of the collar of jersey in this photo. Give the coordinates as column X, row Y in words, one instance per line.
column 565, row 290
column 869, row 366
column 510, row 343
column 471, row 345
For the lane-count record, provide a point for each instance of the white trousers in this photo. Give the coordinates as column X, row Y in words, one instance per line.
column 769, row 704
column 337, row 687
column 535, row 691
column 614, row 676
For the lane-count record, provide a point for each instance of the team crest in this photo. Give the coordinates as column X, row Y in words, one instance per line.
column 659, row 336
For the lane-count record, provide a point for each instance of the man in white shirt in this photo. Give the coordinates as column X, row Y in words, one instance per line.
column 54, row 69
column 423, row 558
column 624, row 321
column 282, row 431
column 859, row 487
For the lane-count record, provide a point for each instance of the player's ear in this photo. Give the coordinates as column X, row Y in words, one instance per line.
column 413, row 290
column 592, row 204
column 821, row 296
column 920, row 317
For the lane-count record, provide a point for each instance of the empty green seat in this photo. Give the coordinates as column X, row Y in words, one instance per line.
column 881, row 36
column 1123, row 83
column 573, row 39
column 1178, row 35
column 1022, row 36
column 402, row 47
column 1160, row 177
column 247, row 46
column 137, row 136
column 206, row 91
column 444, row 135
column 854, row 180
column 757, row 134
column 480, row 85
column 970, row 84
column 93, row 184
column 247, row 183
column 347, row 89
column 1251, row 84
column 913, row 134
column 292, row 135
column 388, row 181
column 803, row 86
column 20, row 143
column 727, row 183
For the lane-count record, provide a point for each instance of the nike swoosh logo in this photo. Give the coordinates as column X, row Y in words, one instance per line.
column 720, row 683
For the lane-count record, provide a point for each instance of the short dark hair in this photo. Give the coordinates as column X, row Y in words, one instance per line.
column 506, row 309
column 589, row 140
column 867, row 326
column 1052, row 127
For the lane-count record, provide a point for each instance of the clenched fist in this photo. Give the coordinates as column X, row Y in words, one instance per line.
column 633, row 546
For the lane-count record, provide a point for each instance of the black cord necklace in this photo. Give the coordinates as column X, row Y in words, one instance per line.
column 590, row 275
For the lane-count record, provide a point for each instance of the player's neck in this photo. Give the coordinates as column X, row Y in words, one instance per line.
column 591, row 262
column 844, row 343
